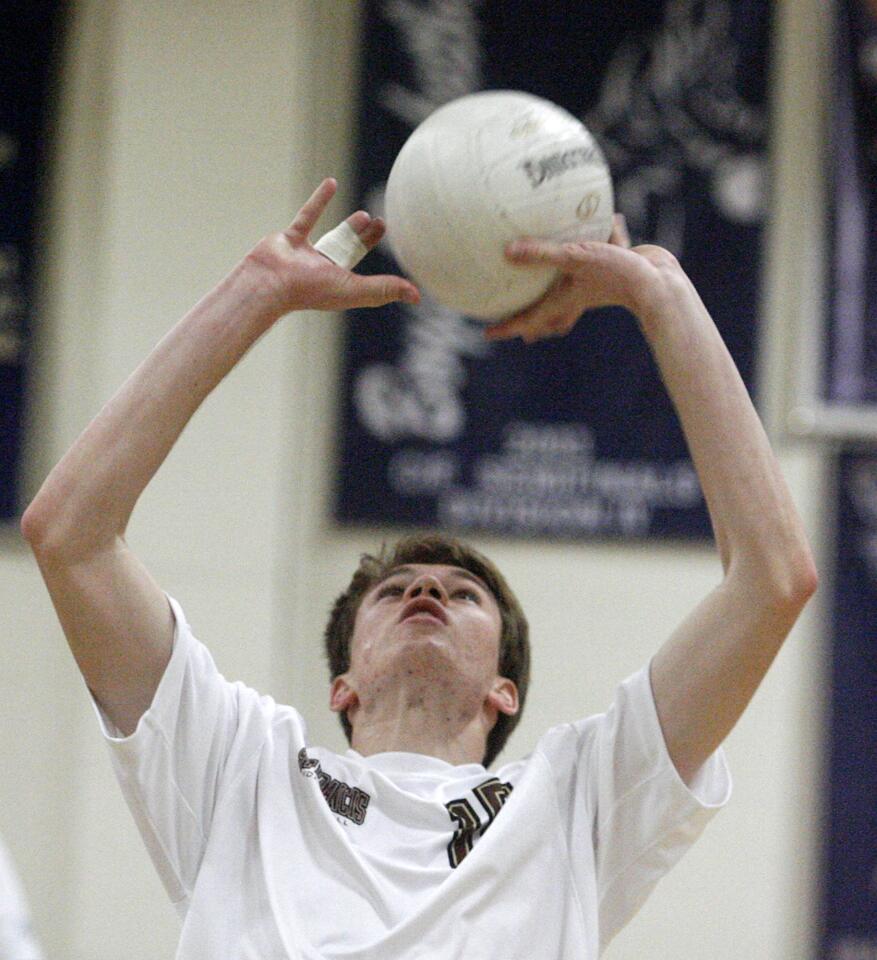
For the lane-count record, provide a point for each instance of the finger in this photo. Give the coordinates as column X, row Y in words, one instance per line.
column 530, row 330
column 373, row 233
column 530, row 317
column 540, row 253
column 552, row 328
column 608, row 274
column 378, row 291
column 504, row 330
column 620, row 235
column 306, row 219
column 343, row 245
column 561, row 325
column 526, row 325
column 553, row 316
column 359, row 221
column 351, row 240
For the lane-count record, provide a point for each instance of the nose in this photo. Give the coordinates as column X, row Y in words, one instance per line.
column 426, row 585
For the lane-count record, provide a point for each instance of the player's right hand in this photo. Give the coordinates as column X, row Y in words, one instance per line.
column 591, row 274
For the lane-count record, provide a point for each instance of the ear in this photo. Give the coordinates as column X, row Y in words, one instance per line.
column 341, row 695
column 503, row 696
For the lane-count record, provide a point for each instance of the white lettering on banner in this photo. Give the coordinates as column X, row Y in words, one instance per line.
column 544, row 479
column 421, row 396
column 560, row 517
column 547, row 479
column 666, row 485
column 441, row 39
column 417, row 473
column 557, row 439
column 669, row 106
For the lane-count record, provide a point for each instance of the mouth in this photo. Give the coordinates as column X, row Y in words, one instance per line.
column 424, row 608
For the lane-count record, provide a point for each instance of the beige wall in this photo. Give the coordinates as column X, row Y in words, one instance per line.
column 190, row 129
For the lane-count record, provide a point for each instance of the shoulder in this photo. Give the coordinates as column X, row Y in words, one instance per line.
column 630, row 715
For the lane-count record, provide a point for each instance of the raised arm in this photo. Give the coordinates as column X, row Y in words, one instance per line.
column 116, row 619
column 706, row 673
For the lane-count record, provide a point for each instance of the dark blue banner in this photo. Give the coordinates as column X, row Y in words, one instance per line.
column 573, row 437
column 850, row 930
column 849, row 377
column 28, row 38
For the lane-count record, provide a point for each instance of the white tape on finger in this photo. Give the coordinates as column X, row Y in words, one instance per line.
column 342, row 246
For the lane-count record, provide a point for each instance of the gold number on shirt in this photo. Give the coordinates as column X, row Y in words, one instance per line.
column 491, row 795
column 467, row 821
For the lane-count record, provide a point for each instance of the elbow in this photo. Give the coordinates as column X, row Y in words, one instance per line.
column 61, row 535
column 808, row 580
column 801, row 589
column 780, row 585
column 37, row 527
column 34, row 525
column 791, row 587
column 43, row 529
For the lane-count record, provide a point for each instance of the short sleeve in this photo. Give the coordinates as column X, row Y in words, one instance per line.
column 198, row 732
column 630, row 816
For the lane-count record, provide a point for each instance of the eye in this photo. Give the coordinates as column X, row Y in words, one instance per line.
column 467, row 593
column 389, row 590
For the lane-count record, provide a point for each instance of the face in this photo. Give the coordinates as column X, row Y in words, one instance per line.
column 430, row 623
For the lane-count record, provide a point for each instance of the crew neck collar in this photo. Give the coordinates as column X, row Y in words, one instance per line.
column 400, row 762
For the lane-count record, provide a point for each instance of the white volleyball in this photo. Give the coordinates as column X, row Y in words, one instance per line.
column 484, row 170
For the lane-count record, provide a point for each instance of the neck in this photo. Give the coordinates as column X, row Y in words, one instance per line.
column 414, row 723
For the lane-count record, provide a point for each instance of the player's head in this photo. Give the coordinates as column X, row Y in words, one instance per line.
column 513, row 644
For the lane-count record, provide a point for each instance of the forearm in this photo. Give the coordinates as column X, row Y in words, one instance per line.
column 115, row 616
column 707, row 672
column 86, row 501
column 758, row 532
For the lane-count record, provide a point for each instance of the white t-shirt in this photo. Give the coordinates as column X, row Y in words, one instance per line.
column 273, row 848
column 17, row 940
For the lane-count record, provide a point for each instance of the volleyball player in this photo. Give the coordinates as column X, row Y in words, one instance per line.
column 406, row 846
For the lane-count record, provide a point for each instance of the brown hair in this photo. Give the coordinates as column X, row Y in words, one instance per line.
column 514, row 646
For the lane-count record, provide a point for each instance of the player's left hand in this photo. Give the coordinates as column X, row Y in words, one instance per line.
column 591, row 274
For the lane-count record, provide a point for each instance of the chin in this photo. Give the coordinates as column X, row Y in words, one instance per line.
column 427, row 644
column 427, row 656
